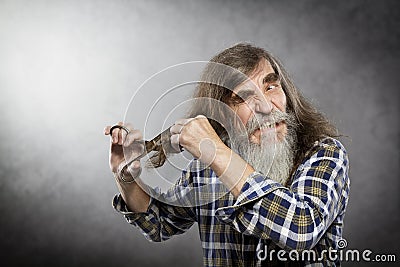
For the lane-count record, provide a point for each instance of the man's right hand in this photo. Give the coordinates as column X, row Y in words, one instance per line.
column 123, row 144
column 129, row 145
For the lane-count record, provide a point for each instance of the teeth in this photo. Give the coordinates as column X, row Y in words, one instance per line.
column 268, row 125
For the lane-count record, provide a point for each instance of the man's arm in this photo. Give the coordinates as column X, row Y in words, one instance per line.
column 136, row 199
column 198, row 137
column 158, row 221
column 231, row 169
column 295, row 217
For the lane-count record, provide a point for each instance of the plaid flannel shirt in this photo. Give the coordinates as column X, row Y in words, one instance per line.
column 266, row 216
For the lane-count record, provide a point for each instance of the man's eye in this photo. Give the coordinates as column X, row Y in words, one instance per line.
column 236, row 100
column 241, row 97
column 272, row 86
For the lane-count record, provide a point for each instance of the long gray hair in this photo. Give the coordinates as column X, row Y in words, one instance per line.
column 245, row 58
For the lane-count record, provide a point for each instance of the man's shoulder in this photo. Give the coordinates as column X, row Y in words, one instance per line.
column 327, row 147
column 330, row 142
column 326, row 159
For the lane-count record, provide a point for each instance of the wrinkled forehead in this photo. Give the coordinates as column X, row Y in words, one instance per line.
column 262, row 67
column 262, row 74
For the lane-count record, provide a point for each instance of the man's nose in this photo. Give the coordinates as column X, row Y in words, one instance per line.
column 263, row 105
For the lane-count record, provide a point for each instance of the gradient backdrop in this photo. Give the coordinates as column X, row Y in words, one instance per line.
column 68, row 68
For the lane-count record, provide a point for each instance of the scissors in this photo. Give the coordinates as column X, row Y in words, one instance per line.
column 159, row 144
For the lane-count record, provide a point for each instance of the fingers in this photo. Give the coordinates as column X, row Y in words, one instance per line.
column 175, row 143
column 134, row 135
column 180, row 124
column 127, row 136
column 183, row 121
column 187, row 121
column 176, row 128
column 119, row 135
column 135, row 168
column 200, row 117
column 107, row 130
column 114, row 134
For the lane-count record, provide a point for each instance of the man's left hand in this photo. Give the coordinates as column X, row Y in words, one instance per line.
column 197, row 136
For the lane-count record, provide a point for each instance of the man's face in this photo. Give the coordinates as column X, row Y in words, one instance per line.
column 268, row 142
column 262, row 95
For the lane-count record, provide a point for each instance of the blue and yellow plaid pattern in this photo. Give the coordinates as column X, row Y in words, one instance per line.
column 306, row 216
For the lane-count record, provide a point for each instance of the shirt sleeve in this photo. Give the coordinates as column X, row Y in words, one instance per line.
column 161, row 221
column 295, row 217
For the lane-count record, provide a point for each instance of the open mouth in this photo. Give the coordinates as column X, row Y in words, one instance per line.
column 267, row 127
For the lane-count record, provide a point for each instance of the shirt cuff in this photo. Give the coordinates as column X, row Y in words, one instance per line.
column 255, row 187
column 132, row 217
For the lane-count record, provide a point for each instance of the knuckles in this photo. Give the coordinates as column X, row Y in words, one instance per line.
column 183, row 138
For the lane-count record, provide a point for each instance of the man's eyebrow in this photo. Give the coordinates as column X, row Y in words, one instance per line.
column 271, row 77
column 245, row 92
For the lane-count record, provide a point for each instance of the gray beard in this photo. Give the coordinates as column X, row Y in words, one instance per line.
column 271, row 157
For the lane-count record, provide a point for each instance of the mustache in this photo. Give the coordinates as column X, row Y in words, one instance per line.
column 269, row 120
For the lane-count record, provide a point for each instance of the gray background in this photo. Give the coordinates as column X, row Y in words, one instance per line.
column 68, row 68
